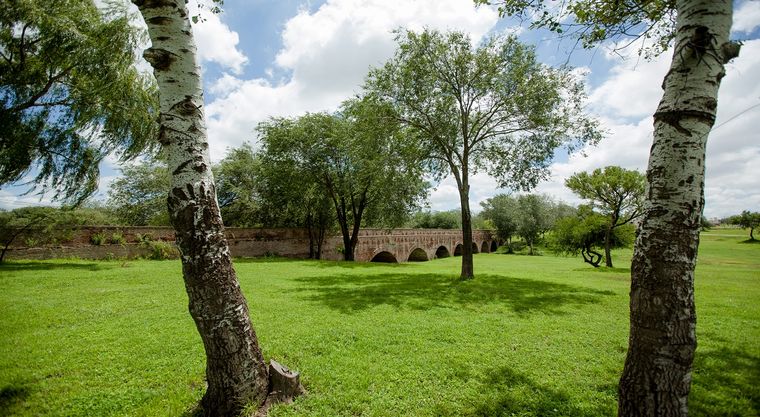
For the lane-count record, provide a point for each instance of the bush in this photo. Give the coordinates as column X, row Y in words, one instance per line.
column 160, row 250
column 117, row 238
column 97, row 239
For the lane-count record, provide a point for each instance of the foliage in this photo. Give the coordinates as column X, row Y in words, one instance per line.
column 584, row 233
column 407, row 330
column 502, row 210
column 237, row 187
column 117, row 238
column 594, row 21
column 616, row 192
column 534, row 217
column 138, row 196
column 160, row 250
column 451, row 219
column 360, row 159
column 70, row 94
column 748, row 220
column 493, row 107
column 97, row 238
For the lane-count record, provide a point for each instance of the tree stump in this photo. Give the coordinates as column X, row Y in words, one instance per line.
column 284, row 385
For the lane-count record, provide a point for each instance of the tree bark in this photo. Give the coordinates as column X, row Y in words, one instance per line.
column 235, row 368
column 467, row 261
column 607, row 246
column 657, row 376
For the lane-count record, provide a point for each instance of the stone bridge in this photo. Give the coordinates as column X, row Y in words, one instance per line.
column 417, row 245
column 375, row 245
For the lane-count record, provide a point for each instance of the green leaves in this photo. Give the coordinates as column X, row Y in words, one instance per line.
column 71, row 94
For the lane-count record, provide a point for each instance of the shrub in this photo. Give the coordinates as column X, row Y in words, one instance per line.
column 160, row 250
column 97, row 239
column 117, row 238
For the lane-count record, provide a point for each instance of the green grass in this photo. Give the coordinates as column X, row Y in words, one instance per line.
column 530, row 336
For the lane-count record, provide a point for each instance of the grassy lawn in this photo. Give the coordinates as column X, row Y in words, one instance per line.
column 530, row 336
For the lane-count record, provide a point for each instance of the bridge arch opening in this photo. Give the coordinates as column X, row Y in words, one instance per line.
column 474, row 247
column 418, row 255
column 494, row 246
column 442, row 252
column 458, row 250
column 385, row 257
column 484, row 247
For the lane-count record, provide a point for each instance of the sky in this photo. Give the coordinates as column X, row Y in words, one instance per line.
column 283, row 58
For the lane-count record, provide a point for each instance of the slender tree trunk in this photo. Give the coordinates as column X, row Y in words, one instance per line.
column 235, row 368
column 608, row 247
column 467, row 262
column 657, row 376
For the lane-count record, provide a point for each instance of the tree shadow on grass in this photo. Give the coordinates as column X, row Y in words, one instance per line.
column 726, row 382
column 506, row 392
column 351, row 293
column 10, row 397
column 50, row 266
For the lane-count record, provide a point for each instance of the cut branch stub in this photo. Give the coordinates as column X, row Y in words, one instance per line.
column 284, row 384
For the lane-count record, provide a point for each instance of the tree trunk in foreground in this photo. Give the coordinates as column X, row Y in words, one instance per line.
column 235, row 368
column 657, row 374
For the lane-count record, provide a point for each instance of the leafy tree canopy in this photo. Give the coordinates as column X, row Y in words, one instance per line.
column 748, row 220
column 138, row 197
column 70, row 94
column 237, row 187
column 585, row 233
column 592, row 22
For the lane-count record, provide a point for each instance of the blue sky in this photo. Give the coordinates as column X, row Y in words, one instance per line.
column 283, row 58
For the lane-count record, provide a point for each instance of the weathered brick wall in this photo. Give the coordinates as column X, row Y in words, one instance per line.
column 246, row 242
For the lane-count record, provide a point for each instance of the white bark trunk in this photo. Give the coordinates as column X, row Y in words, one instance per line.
column 657, row 375
column 235, row 368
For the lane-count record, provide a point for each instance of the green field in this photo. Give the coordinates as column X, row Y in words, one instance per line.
column 530, row 336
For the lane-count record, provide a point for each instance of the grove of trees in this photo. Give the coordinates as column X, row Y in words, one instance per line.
column 493, row 107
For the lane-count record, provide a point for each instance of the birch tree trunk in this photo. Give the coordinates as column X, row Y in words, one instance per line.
column 657, row 374
column 235, row 368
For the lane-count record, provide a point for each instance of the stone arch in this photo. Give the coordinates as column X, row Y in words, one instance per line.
column 494, row 246
column 475, row 248
column 442, row 252
column 484, row 247
column 385, row 257
column 458, row 250
column 417, row 255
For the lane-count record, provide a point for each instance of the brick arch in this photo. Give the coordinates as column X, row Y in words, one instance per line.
column 442, row 252
column 458, row 249
column 494, row 246
column 475, row 248
column 418, row 255
column 384, row 257
column 484, row 248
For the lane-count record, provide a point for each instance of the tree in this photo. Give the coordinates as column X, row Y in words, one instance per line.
column 502, row 210
column 237, row 187
column 585, row 232
column 71, row 95
column 617, row 192
column 361, row 159
column 450, row 219
column 235, row 370
column 292, row 197
column 534, row 217
column 747, row 220
column 492, row 108
column 138, row 196
column 657, row 376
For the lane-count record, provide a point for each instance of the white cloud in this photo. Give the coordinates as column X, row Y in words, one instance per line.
column 732, row 151
column 746, row 17
column 328, row 53
column 216, row 42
